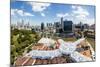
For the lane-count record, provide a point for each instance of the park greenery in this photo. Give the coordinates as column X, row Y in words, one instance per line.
column 21, row 39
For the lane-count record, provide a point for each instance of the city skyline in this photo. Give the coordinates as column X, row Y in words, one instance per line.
column 37, row 12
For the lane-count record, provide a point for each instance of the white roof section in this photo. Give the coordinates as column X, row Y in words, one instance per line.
column 79, row 57
column 44, row 54
column 46, row 41
column 65, row 48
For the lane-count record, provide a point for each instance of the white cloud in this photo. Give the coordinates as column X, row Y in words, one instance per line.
column 74, row 7
column 38, row 7
column 80, row 12
column 13, row 11
column 81, row 17
column 42, row 14
column 20, row 12
column 28, row 14
column 62, row 15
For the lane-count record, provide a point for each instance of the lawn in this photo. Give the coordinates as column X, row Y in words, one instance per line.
column 70, row 39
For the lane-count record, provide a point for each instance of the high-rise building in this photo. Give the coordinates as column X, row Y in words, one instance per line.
column 63, row 26
column 42, row 26
column 79, row 27
column 28, row 25
column 57, row 26
column 62, row 23
column 67, row 26
column 22, row 23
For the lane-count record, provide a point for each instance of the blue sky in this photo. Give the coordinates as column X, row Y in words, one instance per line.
column 37, row 12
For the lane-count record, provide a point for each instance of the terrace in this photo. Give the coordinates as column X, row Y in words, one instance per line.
column 28, row 60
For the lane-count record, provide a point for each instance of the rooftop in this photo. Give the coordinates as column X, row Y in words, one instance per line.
column 28, row 61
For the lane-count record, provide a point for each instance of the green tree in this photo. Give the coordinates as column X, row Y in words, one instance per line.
column 14, row 32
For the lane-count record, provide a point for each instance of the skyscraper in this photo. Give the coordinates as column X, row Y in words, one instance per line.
column 67, row 26
column 42, row 26
column 22, row 24
column 57, row 26
column 62, row 23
